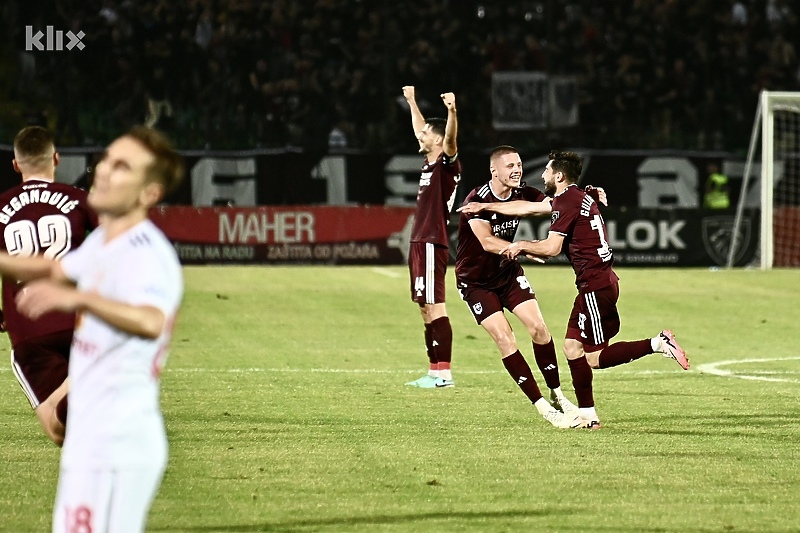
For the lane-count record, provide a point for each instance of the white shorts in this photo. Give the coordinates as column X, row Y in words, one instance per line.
column 105, row 501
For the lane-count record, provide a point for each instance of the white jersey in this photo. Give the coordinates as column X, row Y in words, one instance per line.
column 114, row 413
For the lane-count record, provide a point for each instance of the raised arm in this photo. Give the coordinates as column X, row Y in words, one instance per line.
column 449, row 145
column 417, row 120
column 515, row 208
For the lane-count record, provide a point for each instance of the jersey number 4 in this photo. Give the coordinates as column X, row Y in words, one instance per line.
column 51, row 236
column 419, row 285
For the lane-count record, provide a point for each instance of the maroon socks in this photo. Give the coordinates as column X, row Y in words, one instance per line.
column 518, row 369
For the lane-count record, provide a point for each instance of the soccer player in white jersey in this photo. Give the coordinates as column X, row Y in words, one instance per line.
column 125, row 284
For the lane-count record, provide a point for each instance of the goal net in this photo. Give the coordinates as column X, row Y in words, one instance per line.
column 775, row 190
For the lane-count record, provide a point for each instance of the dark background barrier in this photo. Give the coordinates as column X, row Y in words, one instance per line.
column 360, row 205
column 278, row 177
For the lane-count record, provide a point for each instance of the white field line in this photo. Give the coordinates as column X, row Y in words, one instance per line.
column 706, row 368
column 386, row 272
column 370, row 371
column 773, row 372
column 714, row 368
column 256, row 370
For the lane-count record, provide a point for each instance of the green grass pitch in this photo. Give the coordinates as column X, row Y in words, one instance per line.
column 286, row 411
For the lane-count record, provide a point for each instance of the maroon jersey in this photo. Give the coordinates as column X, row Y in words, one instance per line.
column 577, row 217
column 475, row 266
column 437, row 192
column 44, row 218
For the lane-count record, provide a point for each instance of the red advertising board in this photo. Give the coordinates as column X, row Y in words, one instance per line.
column 287, row 234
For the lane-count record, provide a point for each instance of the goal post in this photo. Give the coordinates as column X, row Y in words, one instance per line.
column 778, row 193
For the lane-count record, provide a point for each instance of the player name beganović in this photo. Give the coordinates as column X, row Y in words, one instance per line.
column 33, row 194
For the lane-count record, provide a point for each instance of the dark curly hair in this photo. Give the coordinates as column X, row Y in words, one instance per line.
column 568, row 163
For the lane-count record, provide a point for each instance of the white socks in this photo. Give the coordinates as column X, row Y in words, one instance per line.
column 655, row 344
column 543, row 406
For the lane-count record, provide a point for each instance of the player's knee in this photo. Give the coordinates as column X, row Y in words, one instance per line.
column 54, row 430
column 47, row 413
column 505, row 342
column 539, row 333
column 58, row 439
column 431, row 312
column 593, row 359
column 572, row 351
column 57, row 432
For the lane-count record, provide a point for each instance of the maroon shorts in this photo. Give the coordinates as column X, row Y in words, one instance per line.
column 427, row 264
column 594, row 319
column 483, row 302
column 40, row 365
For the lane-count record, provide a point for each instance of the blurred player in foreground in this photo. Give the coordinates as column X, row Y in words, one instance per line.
column 129, row 288
column 40, row 216
column 429, row 251
column 578, row 228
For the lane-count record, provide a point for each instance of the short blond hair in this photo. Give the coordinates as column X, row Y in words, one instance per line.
column 34, row 146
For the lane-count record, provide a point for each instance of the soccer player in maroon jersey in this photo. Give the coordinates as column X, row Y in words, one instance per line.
column 489, row 282
column 577, row 227
column 41, row 217
column 429, row 252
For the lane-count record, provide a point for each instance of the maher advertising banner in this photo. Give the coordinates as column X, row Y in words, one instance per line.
column 380, row 235
column 297, row 234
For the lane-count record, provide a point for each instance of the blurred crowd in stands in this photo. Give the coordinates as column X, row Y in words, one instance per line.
column 327, row 74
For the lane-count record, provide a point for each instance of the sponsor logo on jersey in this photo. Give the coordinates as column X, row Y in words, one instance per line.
column 506, row 229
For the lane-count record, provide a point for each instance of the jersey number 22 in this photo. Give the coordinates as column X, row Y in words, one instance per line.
column 51, row 236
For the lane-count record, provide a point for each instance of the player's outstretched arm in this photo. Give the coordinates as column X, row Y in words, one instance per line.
column 471, row 208
column 30, row 268
column 483, row 232
column 41, row 297
column 417, row 120
column 516, row 208
column 449, row 145
column 549, row 247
